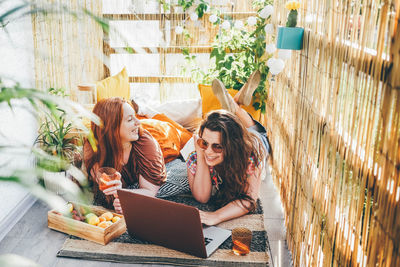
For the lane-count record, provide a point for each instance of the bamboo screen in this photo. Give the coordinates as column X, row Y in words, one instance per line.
column 334, row 114
column 154, row 60
column 67, row 44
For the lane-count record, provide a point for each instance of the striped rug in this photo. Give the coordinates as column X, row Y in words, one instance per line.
column 127, row 249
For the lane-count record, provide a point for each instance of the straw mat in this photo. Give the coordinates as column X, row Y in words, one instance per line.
column 128, row 249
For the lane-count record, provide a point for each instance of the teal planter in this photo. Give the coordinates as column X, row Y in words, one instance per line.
column 290, row 38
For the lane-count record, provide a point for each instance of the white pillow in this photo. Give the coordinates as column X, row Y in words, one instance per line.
column 184, row 112
column 188, row 148
column 181, row 111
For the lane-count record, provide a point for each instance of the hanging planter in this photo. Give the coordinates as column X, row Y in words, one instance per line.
column 291, row 37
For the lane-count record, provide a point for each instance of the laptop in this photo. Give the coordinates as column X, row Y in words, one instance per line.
column 169, row 224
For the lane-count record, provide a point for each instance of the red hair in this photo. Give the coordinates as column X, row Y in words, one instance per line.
column 109, row 147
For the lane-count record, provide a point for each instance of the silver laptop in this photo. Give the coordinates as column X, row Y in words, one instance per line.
column 169, row 224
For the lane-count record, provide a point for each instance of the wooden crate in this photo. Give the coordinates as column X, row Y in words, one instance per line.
column 59, row 222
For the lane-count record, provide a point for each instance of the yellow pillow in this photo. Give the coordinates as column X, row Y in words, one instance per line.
column 210, row 102
column 117, row 85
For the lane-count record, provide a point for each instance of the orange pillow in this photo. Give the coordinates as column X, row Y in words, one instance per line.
column 210, row 102
column 171, row 136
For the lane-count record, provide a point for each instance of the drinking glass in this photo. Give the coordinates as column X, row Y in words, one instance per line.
column 105, row 175
column 241, row 240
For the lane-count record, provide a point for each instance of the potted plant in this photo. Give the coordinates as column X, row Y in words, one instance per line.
column 291, row 37
column 237, row 52
column 56, row 141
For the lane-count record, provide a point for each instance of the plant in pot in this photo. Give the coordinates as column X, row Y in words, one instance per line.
column 291, row 37
column 55, row 140
column 237, row 51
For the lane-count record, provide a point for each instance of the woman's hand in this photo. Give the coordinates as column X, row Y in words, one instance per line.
column 117, row 206
column 200, row 152
column 209, row 218
column 114, row 186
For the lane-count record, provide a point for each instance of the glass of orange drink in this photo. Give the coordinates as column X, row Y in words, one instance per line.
column 241, row 241
column 105, row 175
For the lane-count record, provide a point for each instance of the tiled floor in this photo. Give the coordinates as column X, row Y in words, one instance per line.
column 274, row 223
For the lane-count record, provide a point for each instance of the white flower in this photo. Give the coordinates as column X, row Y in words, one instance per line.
column 193, row 16
column 277, row 66
column 213, row 18
column 284, row 54
column 269, row 29
column 270, row 48
column 178, row 29
column 252, row 21
column 226, row 25
column 239, row 24
column 266, row 11
column 270, row 62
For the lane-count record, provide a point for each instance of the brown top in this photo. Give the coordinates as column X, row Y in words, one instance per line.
column 145, row 159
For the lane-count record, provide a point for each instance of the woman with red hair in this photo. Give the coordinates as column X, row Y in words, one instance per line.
column 124, row 145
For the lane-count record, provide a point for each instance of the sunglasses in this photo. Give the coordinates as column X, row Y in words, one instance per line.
column 203, row 144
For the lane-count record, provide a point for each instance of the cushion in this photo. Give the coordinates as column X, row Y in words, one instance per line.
column 171, row 136
column 117, row 85
column 210, row 102
column 181, row 111
column 186, row 112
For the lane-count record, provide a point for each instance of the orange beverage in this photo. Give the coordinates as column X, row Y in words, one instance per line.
column 241, row 239
column 104, row 175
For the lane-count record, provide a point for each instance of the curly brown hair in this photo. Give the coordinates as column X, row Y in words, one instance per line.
column 238, row 146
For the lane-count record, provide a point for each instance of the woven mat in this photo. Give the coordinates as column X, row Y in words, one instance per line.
column 127, row 249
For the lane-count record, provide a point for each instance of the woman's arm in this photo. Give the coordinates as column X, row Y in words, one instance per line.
column 146, row 187
column 200, row 183
column 234, row 208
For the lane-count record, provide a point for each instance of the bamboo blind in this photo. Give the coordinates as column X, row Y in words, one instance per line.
column 334, row 114
column 67, row 44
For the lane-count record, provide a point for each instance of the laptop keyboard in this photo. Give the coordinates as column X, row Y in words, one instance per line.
column 207, row 240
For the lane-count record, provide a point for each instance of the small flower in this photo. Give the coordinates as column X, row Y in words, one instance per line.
column 178, row 29
column 252, row 21
column 266, row 11
column 194, row 16
column 269, row 29
column 239, row 24
column 292, row 5
column 226, row 25
column 213, row 18
column 270, row 48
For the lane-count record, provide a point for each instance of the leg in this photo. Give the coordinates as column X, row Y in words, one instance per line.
column 231, row 104
column 244, row 117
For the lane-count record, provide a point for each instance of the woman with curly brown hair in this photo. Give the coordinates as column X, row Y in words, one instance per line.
column 124, row 145
column 226, row 167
